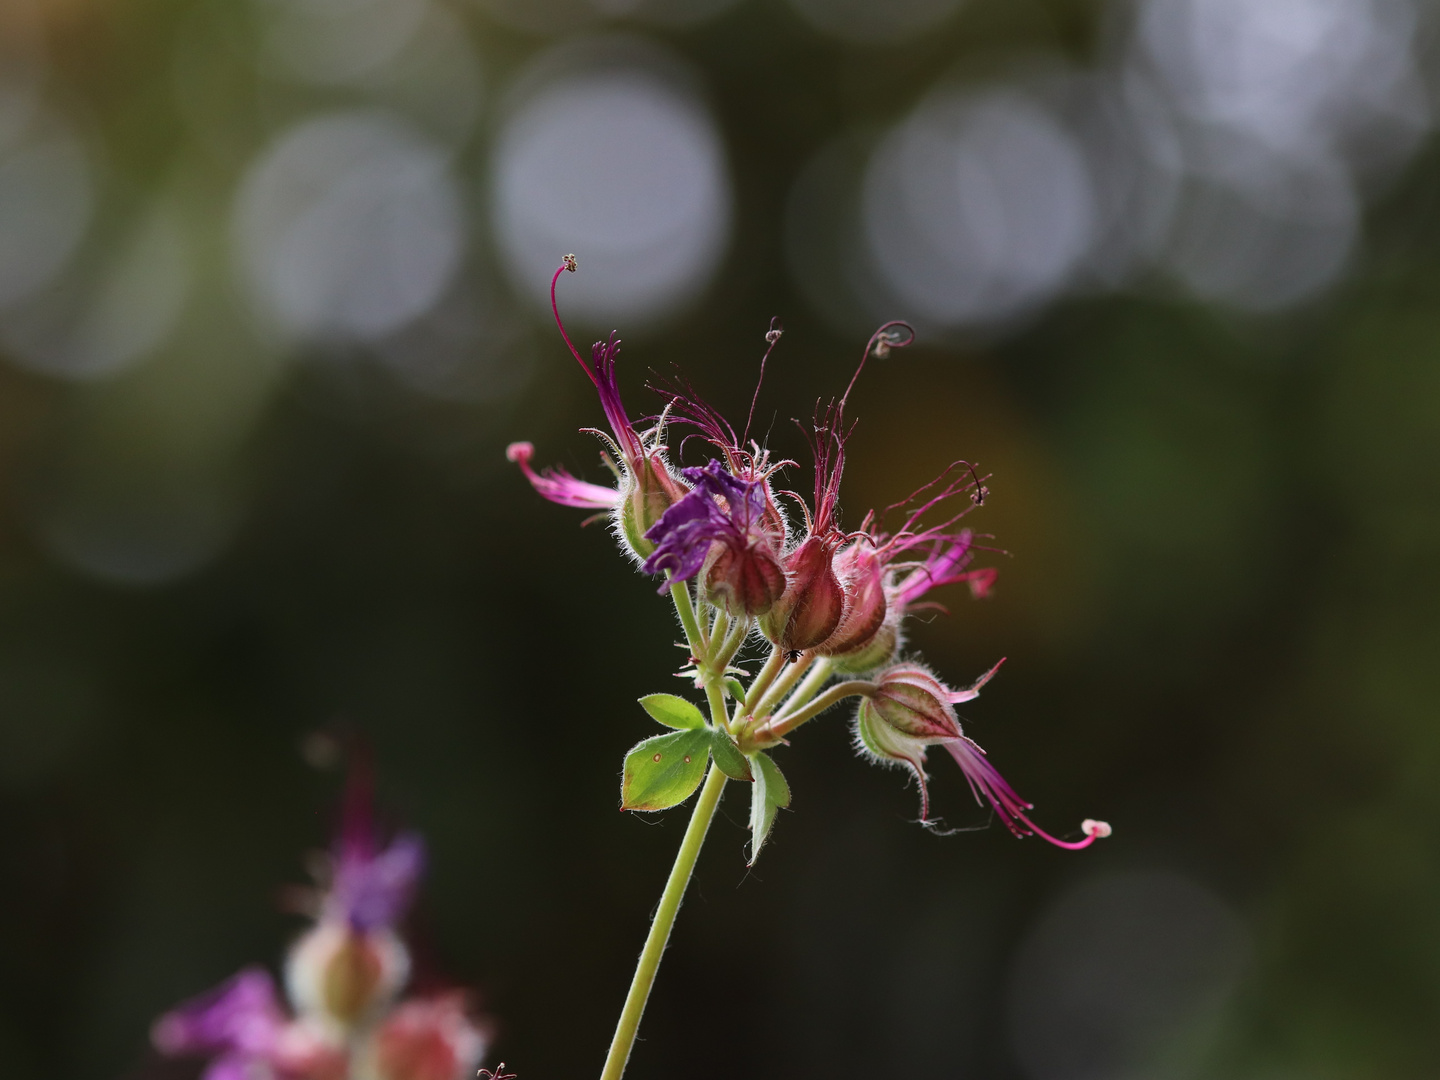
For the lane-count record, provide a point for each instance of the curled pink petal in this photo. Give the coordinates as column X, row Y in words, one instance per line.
column 559, row 486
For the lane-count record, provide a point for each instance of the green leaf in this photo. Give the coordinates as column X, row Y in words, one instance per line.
column 769, row 794
column 664, row 771
column 728, row 757
column 673, row 711
column 736, row 691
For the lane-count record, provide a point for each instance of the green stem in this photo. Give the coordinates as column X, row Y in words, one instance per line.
column 700, row 818
column 781, row 726
column 765, row 678
column 812, row 685
column 731, row 645
column 782, row 686
column 680, row 593
column 629, row 1024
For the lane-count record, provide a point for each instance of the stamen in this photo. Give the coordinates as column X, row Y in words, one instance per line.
column 771, row 337
column 570, row 265
column 895, row 334
column 1094, row 830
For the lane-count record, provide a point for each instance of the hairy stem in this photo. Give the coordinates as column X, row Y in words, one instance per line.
column 812, row 685
column 765, row 678
column 781, row 726
column 760, row 706
column 700, row 818
column 680, row 593
column 629, row 1025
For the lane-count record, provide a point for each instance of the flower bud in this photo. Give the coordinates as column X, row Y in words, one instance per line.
column 427, row 1039
column 909, row 710
column 877, row 652
column 342, row 975
column 744, row 581
column 813, row 602
column 861, row 571
column 647, row 492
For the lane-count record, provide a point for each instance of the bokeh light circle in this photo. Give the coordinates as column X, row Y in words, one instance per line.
column 977, row 207
column 348, row 226
column 620, row 162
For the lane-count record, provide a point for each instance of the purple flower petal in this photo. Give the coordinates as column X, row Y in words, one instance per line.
column 241, row 1014
column 374, row 890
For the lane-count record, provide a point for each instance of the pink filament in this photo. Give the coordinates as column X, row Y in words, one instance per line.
column 555, row 307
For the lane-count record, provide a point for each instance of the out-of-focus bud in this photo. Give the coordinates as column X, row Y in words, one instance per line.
column 343, row 976
column 426, row 1039
column 646, row 493
column 813, row 602
column 861, row 570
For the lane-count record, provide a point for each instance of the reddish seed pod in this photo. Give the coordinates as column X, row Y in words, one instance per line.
column 813, row 602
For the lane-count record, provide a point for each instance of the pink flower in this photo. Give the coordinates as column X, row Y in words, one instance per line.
column 647, row 487
column 911, row 710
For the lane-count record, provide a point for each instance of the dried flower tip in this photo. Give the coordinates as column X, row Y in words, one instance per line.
column 1098, row 829
column 570, row 263
column 776, row 329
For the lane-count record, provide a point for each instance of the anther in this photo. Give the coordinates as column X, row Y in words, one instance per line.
column 570, row 263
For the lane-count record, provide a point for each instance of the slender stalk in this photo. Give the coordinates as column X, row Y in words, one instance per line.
column 766, row 676
column 731, row 645
column 781, row 726
column 680, row 593
column 766, row 704
column 812, row 685
column 700, row 818
column 644, row 979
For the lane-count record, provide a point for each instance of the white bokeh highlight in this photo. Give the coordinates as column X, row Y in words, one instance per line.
column 46, row 200
column 114, row 309
column 624, row 166
column 348, row 227
column 977, row 208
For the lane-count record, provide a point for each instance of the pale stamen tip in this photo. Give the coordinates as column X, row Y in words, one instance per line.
column 1098, row 829
column 570, row 263
column 518, row 451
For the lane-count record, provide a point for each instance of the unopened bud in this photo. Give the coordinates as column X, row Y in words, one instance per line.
column 914, row 705
column 342, row 975
column 877, row 652
column 813, row 601
column 861, row 572
column 744, row 581
column 648, row 491
column 427, row 1039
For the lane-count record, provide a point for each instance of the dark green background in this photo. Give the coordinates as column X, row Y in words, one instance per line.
column 1219, row 612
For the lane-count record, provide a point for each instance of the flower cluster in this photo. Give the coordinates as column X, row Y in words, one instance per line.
column 343, row 980
column 830, row 602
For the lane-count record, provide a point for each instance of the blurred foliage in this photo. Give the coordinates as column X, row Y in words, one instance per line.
column 1218, row 595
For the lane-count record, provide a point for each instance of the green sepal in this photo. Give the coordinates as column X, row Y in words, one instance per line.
column 673, row 711
column 664, row 771
column 767, row 796
column 728, row 758
column 736, row 691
